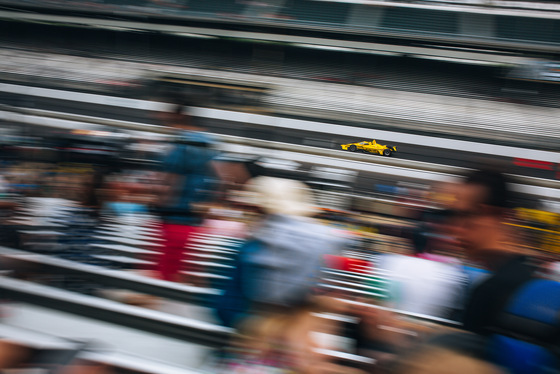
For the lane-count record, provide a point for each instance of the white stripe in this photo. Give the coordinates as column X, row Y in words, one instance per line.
column 84, row 97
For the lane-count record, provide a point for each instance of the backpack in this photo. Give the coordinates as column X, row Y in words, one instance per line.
column 527, row 333
column 521, row 319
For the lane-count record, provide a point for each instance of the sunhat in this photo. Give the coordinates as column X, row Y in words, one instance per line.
column 280, row 196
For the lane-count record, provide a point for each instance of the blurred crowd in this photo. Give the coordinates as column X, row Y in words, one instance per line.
column 467, row 286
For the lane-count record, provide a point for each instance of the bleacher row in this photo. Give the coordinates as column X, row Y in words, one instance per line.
column 125, row 243
column 53, row 227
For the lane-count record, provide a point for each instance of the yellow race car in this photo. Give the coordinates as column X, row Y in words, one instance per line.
column 370, row 147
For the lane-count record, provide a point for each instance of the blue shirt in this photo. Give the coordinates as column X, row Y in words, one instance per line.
column 189, row 158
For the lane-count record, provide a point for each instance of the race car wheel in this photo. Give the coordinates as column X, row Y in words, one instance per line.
column 387, row 152
column 352, row 148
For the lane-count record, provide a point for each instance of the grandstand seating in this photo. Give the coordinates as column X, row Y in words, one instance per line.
column 209, row 251
column 423, row 20
column 84, row 351
column 145, row 320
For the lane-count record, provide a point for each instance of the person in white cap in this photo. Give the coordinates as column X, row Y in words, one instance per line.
column 280, row 263
column 270, row 297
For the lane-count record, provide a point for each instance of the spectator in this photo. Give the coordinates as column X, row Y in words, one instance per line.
column 481, row 206
column 271, row 294
column 188, row 180
column 280, row 263
column 508, row 304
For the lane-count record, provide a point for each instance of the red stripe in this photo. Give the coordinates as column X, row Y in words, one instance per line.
column 545, row 165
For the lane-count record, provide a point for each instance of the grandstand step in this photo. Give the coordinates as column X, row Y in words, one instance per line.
column 32, row 339
column 123, row 260
column 212, row 248
column 128, row 250
column 41, row 232
column 217, row 236
column 209, row 264
column 33, row 222
column 212, row 241
column 141, row 243
column 224, row 252
column 210, row 257
column 205, row 275
column 129, row 235
column 134, row 229
column 130, row 350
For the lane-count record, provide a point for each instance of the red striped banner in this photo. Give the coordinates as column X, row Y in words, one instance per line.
column 535, row 164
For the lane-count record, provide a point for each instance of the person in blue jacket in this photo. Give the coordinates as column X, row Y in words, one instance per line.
column 278, row 267
column 188, row 179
